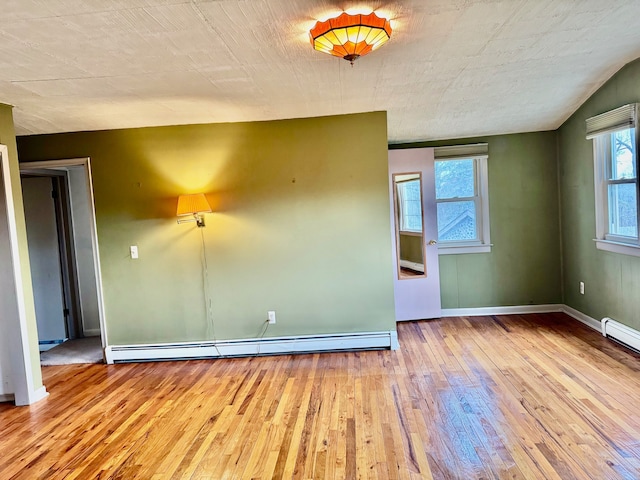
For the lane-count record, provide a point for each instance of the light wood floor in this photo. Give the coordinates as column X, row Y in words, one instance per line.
column 534, row 396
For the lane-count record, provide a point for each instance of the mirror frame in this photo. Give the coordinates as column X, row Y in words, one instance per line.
column 396, row 219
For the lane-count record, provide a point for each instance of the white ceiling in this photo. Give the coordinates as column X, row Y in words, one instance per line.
column 453, row 68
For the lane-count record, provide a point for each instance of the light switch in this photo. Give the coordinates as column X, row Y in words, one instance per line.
column 134, row 251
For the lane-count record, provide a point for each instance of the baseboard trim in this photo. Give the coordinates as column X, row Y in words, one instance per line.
column 39, row 394
column 252, row 346
column 395, row 344
column 310, row 343
column 581, row 317
column 524, row 309
column 92, row 332
column 510, row 310
column 33, row 397
column 7, row 397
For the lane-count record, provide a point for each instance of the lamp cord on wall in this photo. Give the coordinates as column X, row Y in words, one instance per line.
column 211, row 327
column 264, row 330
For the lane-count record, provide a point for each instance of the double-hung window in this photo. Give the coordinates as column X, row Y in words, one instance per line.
column 462, row 199
column 615, row 146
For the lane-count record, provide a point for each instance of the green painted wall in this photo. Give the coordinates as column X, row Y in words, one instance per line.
column 301, row 226
column 524, row 265
column 612, row 281
column 8, row 138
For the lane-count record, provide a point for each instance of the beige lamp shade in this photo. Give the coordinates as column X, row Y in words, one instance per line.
column 192, row 204
column 195, row 205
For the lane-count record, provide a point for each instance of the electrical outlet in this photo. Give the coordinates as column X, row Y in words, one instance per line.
column 271, row 315
column 581, row 288
column 133, row 249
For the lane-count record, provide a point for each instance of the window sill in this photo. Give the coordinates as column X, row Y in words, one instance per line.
column 461, row 249
column 617, row 247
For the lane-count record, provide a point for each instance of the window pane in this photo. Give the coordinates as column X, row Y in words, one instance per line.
column 410, row 206
column 623, row 207
column 455, row 178
column 457, row 221
column 622, row 154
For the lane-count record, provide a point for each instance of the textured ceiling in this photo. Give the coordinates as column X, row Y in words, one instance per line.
column 453, row 68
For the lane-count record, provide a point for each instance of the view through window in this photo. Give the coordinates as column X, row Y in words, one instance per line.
column 622, row 192
column 456, row 198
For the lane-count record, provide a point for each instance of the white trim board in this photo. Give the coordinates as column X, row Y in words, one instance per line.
column 312, row 343
column 510, row 310
column 581, row 317
column 522, row 310
column 9, row 397
column 85, row 163
column 39, row 394
column 25, row 392
column 252, row 346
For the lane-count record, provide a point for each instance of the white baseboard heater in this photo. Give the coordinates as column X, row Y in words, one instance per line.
column 252, row 346
column 621, row 333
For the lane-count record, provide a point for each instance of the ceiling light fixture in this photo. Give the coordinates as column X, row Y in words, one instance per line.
column 350, row 36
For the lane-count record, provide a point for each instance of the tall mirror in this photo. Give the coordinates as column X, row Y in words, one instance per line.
column 407, row 199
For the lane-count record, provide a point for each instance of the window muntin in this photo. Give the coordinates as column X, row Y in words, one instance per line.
column 410, row 206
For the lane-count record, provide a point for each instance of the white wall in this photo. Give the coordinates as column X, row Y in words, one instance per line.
column 8, row 305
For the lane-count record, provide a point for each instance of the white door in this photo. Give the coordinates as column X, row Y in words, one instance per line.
column 44, row 257
column 414, row 234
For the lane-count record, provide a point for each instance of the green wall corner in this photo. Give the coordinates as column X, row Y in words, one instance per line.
column 612, row 281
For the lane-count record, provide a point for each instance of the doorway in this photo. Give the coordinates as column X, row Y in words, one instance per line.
column 48, row 220
column 63, row 252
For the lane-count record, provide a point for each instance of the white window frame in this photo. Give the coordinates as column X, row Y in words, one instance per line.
column 599, row 129
column 479, row 153
column 403, row 228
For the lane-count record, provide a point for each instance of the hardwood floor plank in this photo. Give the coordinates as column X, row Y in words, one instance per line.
column 497, row 397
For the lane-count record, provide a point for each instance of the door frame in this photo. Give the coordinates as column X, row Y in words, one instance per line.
column 22, row 366
column 84, row 162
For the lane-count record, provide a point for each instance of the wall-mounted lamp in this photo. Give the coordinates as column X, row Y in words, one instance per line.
column 195, row 205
